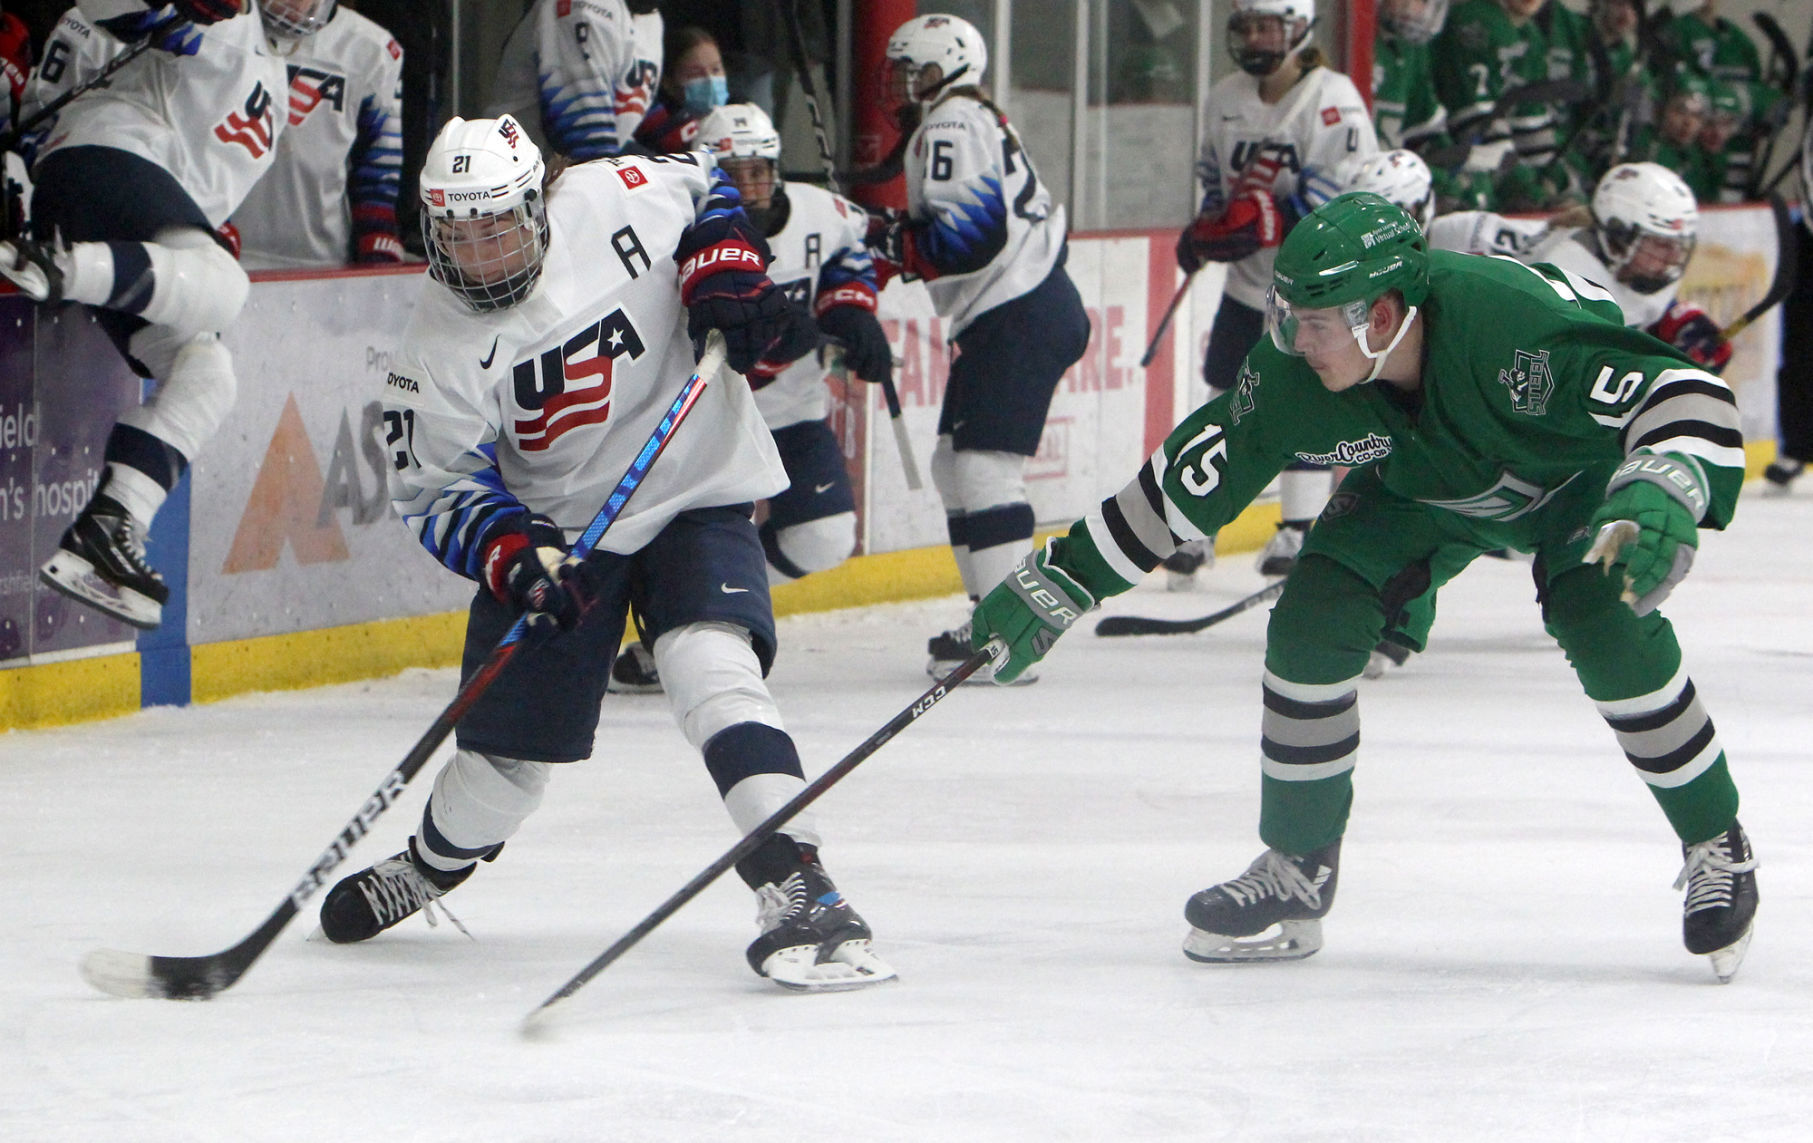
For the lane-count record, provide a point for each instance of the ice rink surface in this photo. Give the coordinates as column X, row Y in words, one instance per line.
column 1504, row 961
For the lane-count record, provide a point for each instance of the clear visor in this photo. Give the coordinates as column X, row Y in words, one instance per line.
column 1320, row 332
column 754, row 179
column 493, row 260
column 1656, row 261
column 901, row 80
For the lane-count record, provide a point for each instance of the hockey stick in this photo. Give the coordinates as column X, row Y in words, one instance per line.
column 1786, row 269
column 1164, row 323
column 99, row 78
column 1781, row 51
column 203, row 977
column 1135, row 625
column 760, row 834
column 796, row 35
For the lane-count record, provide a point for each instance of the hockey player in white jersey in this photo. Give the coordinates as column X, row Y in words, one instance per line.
column 330, row 196
column 580, row 74
column 501, row 449
column 816, row 239
column 132, row 182
column 1273, row 134
column 981, row 230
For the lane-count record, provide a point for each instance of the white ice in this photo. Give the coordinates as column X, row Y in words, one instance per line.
column 1504, row 961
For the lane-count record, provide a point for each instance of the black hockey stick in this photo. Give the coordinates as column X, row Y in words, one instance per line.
column 796, row 35
column 1136, row 625
column 761, row 833
column 203, row 977
column 1786, row 269
column 1164, row 323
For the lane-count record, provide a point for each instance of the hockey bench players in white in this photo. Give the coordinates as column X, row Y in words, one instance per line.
column 133, row 181
column 816, row 239
column 498, row 445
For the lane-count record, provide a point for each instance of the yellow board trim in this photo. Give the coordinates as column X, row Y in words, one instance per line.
column 329, row 655
column 75, row 690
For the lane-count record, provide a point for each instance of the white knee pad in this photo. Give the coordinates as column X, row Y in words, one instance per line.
column 196, row 287
column 195, row 391
column 713, row 680
column 480, row 800
column 989, row 479
column 817, row 545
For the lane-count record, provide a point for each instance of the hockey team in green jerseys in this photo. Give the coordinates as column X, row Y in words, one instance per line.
column 1482, row 405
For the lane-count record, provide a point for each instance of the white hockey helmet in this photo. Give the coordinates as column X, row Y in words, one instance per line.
column 484, row 218
column 951, row 42
column 1413, row 21
column 1400, row 177
column 1297, row 18
column 295, row 19
column 739, row 131
column 1647, row 223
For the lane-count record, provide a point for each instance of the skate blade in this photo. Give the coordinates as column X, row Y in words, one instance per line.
column 1725, row 961
column 618, row 687
column 75, row 577
column 850, row 966
column 1287, row 940
column 940, row 668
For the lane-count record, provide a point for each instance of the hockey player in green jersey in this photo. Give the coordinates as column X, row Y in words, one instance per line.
column 1482, row 404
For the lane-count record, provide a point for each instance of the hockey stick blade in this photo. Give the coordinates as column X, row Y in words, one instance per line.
column 136, row 976
column 536, row 1020
column 1137, row 625
column 1786, row 269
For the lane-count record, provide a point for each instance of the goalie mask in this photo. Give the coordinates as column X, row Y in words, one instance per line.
column 950, row 44
column 484, row 218
column 1331, row 268
column 1399, row 177
column 1261, row 33
column 742, row 138
column 1647, row 223
column 295, row 19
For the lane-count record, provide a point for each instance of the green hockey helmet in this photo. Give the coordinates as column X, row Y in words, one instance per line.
column 1343, row 256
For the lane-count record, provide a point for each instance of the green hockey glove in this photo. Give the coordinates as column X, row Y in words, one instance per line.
column 1027, row 612
column 1649, row 525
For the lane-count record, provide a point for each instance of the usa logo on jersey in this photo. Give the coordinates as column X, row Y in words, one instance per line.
column 251, row 127
column 569, row 385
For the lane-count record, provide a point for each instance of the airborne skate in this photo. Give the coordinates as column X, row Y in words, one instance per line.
column 951, row 650
column 395, row 889
column 1280, row 553
column 1273, row 911
column 1182, row 565
column 812, row 940
column 1781, row 474
column 634, row 672
column 1720, row 879
column 101, row 562
column 34, row 267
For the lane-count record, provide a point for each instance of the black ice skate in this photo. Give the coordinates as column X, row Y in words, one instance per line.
column 812, row 940
column 1781, row 474
column 395, row 889
column 1182, row 565
column 949, row 650
column 34, row 267
column 1280, row 553
column 634, row 672
column 101, row 562
column 1720, row 879
column 1273, row 911
column 1385, row 656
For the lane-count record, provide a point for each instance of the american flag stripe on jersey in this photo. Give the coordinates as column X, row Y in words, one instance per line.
column 1308, row 731
column 1666, row 734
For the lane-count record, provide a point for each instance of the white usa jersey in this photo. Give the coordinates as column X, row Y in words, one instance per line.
column 1573, row 251
column 1482, row 232
column 211, row 119
column 546, row 403
column 579, row 74
column 819, row 252
column 340, row 159
column 1320, row 121
column 981, row 216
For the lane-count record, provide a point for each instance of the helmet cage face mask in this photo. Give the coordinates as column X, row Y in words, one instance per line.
column 1413, row 21
column 296, row 19
column 1647, row 224
column 1643, row 261
column 1294, row 19
column 484, row 218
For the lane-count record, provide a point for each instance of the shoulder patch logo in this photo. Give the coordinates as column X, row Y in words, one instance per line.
column 632, row 177
column 1331, row 116
column 1530, row 382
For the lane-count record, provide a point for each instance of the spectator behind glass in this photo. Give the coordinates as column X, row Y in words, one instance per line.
column 580, row 77
column 331, row 195
column 693, row 82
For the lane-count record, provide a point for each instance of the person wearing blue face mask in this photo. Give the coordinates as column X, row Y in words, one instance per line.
column 581, row 77
column 692, row 84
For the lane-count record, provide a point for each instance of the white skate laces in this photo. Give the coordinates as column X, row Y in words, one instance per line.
column 1710, row 875
column 396, row 889
column 1275, row 875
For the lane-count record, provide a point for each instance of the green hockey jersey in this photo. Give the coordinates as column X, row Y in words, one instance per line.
column 1531, row 384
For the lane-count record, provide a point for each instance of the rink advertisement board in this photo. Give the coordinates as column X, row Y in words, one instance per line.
column 283, row 526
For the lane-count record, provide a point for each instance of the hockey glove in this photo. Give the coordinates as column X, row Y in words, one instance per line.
column 377, row 247
column 1026, row 612
column 177, row 34
column 866, row 350
column 1691, row 331
column 1648, row 526
column 1250, row 223
column 755, row 316
column 527, row 565
column 803, row 338
column 886, row 240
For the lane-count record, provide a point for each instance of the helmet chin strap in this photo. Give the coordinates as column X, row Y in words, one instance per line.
column 1378, row 359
